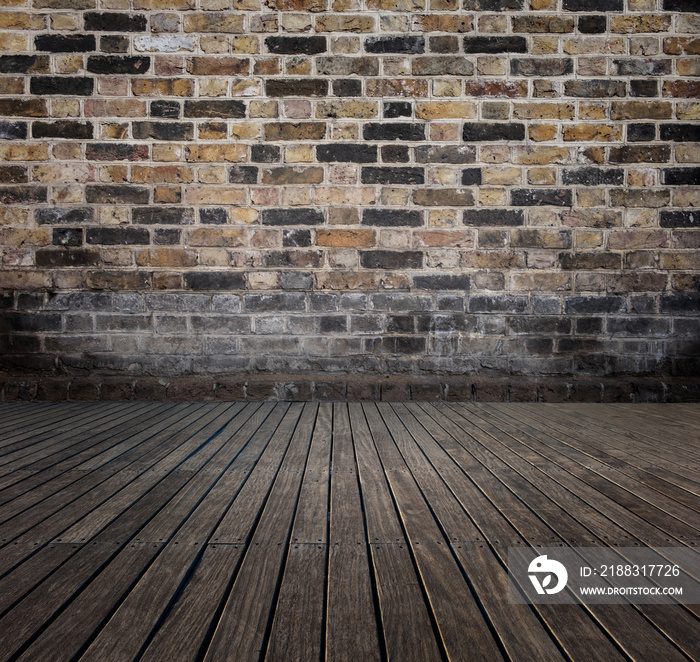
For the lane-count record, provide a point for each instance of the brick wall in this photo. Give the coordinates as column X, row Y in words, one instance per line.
column 350, row 198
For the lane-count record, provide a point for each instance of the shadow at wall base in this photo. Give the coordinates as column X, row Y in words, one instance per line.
column 347, row 387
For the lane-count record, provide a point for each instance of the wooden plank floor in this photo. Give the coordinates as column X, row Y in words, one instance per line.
column 355, row 532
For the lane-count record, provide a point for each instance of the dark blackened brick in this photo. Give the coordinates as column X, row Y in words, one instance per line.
column 393, row 109
column 444, row 44
column 243, row 175
column 166, row 236
column 495, row 45
column 392, row 217
column 637, row 67
column 64, row 85
column 576, row 261
column 593, row 5
column 639, row 133
column 62, row 129
column 395, row 345
column 301, row 216
column 595, row 89
column 116, row 152
column 296, row 238
column 296, row 45
column 19, row 194
column 395, row 44
column 442, row 282
column 442, row 65
column 13, row 130
column 113, row 43
column 57, row 216
column 541, row 66
column 214, row 280
column 471, row 176
column 347, row 87
column 162, row 215
column 265, row 153
column 494, row 5
column 391, row 259
column 400, row 324
column 309, row 259
column 115, row 22
column 68, row 257
column 445, row 154
column 393, row 175
column 116, row 64
column 640, row 154
column 395, row 154
column 493, row 217
column 680, row 132
column 117, row 236
column 163, row 130
column 682, row 5
column 505, row 303
column 394, row 131
column 592, row 24
column 169, row 109
column 681, row 176
column 299, row 87
column 333, row 324
column 492, row 131
column 445, row 323
column 594, row 176
column 680, row 304
column 587, row 305
column 13, row 175
column 116, row 194
column 644, row 88
column 213, row 216
column 215, row 108
column 23, row 108
column 346, row 152
column 65, row 43
column 24, row 64
column 67, row 237
column 535, row 197
column 679, row 219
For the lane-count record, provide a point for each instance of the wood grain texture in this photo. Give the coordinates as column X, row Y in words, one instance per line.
column 335, row 532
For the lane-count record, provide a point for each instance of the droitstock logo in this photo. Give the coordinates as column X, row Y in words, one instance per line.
column 549, row 568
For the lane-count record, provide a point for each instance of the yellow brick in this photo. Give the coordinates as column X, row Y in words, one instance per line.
column 644, row 23
column 428, row 110
column 24, row 152
column 492, row 197
column 212, row 195
column 218, row 22
column 500, row 176
column 542, row 132
column 541, row 155
column 340, row 23
column 167, row 152
column 592, row 132
column 13, row 42
column 166, row 257
column 17, row 238
column 226, row 237
column 14, row 20
column 356, row 109
column 544, row 111
column 63, row 173
column 216, row 153
column 299, row 154
column 244, row 216
column 161, row 174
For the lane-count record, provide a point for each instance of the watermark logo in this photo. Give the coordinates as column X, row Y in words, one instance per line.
column 550, row 568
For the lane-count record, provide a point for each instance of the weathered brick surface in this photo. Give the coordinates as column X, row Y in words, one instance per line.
column 487, row 200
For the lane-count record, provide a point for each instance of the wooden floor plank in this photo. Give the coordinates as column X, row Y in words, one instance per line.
column 351, row 622
column 376, row 531
column 463, row 627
